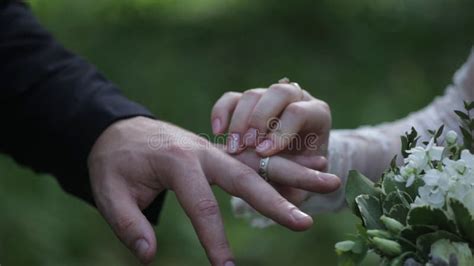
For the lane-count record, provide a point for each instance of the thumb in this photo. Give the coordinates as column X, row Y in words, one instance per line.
column 122, row 213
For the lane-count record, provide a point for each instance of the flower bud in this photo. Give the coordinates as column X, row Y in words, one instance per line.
column 451, row 137
column 392, row 225
column 379, row 233
column 388, row 247
column 344, row 246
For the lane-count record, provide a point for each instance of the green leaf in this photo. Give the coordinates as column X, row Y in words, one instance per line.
column 462, row 115
column 467, row 137
column 400, row 260
column 443, row 249
column 424, row 242
column 358, row 184
column 379, row 233
column 389, row 184
column 409, row 141
column 439, row 132
column 344, row 246
column 425, row 215
column 412, row 233
column 387, row 247
column 391, row 224
column 468, row 105
column 346, row 259
column 464, row 219
column 370, row 211
column 399, row 212
column 404, row 141
column 352, row 252
column 413, row 189
column 393, row 163
column 396, row 197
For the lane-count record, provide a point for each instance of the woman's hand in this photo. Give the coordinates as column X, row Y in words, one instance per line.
column 271, row 119
column 282, row 119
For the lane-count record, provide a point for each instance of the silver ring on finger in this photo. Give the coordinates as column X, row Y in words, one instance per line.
column 263, row 168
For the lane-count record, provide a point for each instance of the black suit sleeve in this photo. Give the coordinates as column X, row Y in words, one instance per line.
column 53, row 104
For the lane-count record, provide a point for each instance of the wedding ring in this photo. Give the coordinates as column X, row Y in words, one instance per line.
column 263, row 168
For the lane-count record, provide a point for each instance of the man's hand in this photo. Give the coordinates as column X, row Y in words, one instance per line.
column 136, row 159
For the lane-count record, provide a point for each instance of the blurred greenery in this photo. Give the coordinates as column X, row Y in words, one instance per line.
column 371, row 60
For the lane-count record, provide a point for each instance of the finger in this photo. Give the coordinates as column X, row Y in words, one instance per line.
column 250, row 158
column 239, row 124
column 285, row 172
column 272, row 103
column 293, row 195
column 122, row 213
column 308, row 116
column 222, row 110
column 242, row 181
column 297, row 173
column 196, row 197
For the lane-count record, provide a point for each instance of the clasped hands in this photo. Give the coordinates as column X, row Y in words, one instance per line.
column 127, row 173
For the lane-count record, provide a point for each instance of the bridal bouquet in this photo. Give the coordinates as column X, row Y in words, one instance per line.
column 421, row 213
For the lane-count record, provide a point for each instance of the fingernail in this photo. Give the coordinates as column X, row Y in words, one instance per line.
column 250, row 137
column 330, row 179
column 141, row 247
column 299, row 215
column 265, row 145
column 229, row 263
column 233, row 143
column 216, row 125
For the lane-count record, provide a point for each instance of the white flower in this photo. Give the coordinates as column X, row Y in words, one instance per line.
column 418, row 159
column 469, row 200
column 399, row 178
column 407, row 174
column 427, row 195
column 467, row 157
column 436, row 153
column 454, row 168
column 451, row 137
column 450, row 178
column 432, row 177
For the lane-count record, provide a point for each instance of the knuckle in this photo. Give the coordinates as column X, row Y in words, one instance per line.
column 123, row 225
column 246, row 175
column 285, row 90
column 206, row 208
column 325, row 114
column 176, row 150
column 220, row 105
column 325, row 106
column 280, row 203
column 244, row 179
column 296, row 109
column 231, row 94
column 252, row 93
column 222, row 245
column 218, row 250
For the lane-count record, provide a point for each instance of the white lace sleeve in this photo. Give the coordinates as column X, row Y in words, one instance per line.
column 369, row 149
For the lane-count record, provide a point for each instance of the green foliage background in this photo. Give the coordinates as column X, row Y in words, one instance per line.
column 371, row 60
